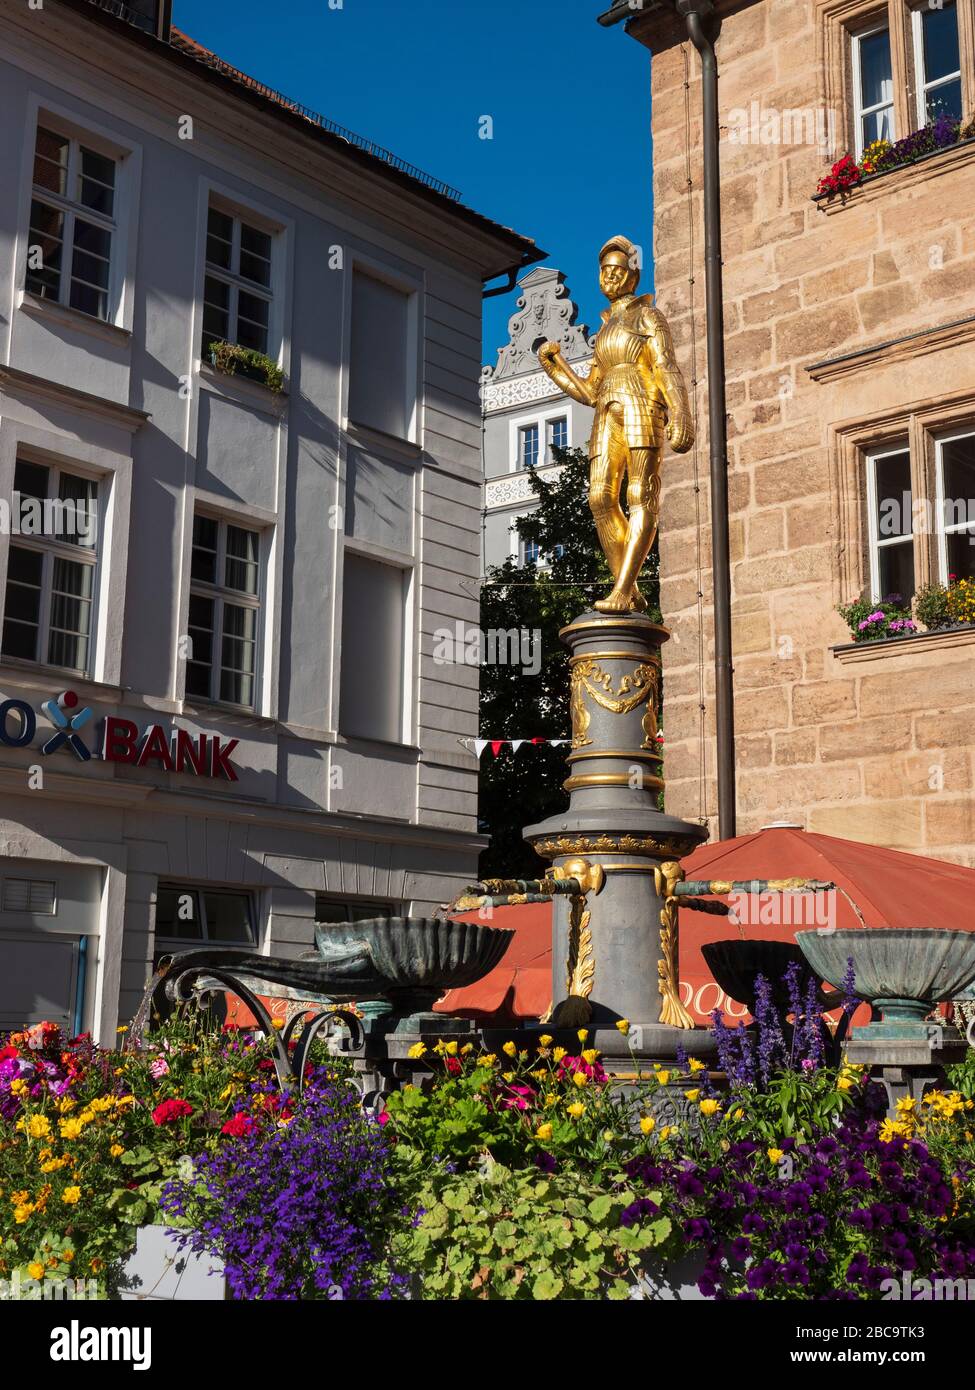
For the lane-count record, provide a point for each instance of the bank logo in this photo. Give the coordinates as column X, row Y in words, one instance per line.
column 67, row 720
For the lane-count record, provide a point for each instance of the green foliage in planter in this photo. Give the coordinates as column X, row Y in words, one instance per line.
column 503, row 1234
column 871, row 621
column 931, row 607
column 227, row 357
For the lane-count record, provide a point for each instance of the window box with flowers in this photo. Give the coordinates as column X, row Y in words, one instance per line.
column 246, row 362
column 885, row 156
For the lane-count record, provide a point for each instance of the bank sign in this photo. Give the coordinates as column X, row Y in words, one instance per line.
column 118, row 740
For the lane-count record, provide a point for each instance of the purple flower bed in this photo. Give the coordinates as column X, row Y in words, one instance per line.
column 297, row 1207
column 834, row 1218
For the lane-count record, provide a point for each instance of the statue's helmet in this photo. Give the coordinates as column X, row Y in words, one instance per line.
column 623, row 252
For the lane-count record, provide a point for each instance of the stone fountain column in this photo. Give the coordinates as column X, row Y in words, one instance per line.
column 623, row 958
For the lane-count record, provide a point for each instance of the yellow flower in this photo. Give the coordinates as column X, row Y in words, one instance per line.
column 579, row 1079
column 558, row 1053
column 115, row 1150
column 23, row 1213
column 35, row 1269
column 539, row 1074
column 38, row 1127
column 467, row 1048
column 543, row 1132
column 738, row 1114
column 666, row 1131
column 450, row 1049
column 18, row 1087
column 53, row 1164
column 124, row 1028
column 101, row 1103
column 124, row 1101
column 277, row 1023
column 545, row 1040
column 775, row 1155
column 19, row 1198
column 844, row 1083
column 693, row 1095
column 576, row 1110
column 67, row 1255
column 709, row 1107
column 663, row 1077
column 86, row 1117
column 66, row 1105
column 623, row 1024
column 550, row 1100
column 906, row 1105
column 590, row 1055
column 507, row 1076
column 488, row 1060
column 582, row 1034
column 648, row 1124
column 70, row 1129
column 608, row 1135
column 71, row 1196
column 694, row 1064
column 416, row 1051
column 509, row 1049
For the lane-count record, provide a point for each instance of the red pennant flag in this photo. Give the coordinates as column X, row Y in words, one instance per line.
column 497, row 744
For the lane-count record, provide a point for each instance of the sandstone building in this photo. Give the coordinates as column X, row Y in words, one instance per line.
column 850, row 326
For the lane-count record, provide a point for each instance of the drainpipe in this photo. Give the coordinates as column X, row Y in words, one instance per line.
column 695, row 13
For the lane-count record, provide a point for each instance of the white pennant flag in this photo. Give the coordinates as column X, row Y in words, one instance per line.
column 516, row 744
column 479, row 746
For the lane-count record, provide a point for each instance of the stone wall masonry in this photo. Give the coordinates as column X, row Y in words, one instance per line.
column 844, row 749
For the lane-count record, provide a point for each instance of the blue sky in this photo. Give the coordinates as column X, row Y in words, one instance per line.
column 417, row 75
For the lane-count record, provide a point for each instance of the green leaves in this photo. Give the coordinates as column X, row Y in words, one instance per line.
column 510, row 1235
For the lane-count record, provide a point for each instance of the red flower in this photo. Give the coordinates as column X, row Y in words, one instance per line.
column 570, row 1065
column 169, row 1111
column 238, row 1126
column 382, row 1118
column 8, row 1051
column 453, row 1066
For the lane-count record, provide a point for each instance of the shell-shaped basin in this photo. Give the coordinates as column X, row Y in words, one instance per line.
column 922, row 963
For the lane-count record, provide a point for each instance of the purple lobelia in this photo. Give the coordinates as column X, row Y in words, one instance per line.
column 298, row 1205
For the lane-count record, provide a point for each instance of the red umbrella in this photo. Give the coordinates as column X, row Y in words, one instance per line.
column 889, row 889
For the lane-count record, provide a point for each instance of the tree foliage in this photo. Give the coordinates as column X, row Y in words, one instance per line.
column 518, row 789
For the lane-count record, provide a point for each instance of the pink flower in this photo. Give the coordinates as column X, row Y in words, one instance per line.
column 159, row 1067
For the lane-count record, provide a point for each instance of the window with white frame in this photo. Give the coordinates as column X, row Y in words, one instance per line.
column 937, row 61
column 873, row 86
column 890, row 508
column 528, row 446
column 955, row 481
column 237, row 293
column 558, row 434
column 186, row 912
column 382, row 365
column 72, row 224
column 225, row 610
column 374, row 659
column 531, row 552
column 51, row 567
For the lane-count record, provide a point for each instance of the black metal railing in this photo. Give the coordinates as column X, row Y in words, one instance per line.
column 210, row 60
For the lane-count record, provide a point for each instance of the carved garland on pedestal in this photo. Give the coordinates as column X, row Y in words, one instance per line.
column 589, row 678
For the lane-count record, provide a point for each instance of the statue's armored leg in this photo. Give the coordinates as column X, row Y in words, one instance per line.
column 606, row 463
column 643, row 501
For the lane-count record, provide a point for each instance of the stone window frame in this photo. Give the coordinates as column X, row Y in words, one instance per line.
column 839, row 20
column 920, row 424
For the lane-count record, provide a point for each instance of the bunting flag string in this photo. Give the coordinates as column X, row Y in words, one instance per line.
column 496, row 744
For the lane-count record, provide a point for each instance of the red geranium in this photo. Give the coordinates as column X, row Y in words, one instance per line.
column 570, row 1065
column 239, row 1125
column 169, row 1111
column 8, row 1051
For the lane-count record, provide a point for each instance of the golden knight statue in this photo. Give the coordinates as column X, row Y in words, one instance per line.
column 638, row 393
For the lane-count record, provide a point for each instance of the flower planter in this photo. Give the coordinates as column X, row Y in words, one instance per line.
column 672, row 1281
column 158, row 1271
column 241, row 368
